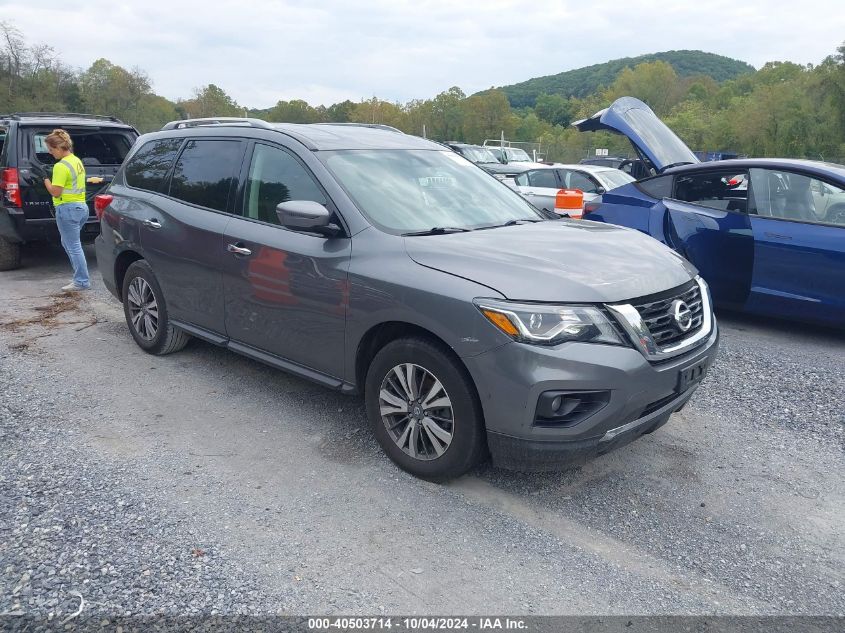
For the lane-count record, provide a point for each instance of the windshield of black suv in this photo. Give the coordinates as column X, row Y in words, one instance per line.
column 478, row 154
column 403, row 191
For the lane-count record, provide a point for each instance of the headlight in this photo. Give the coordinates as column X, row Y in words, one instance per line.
column 544, row 324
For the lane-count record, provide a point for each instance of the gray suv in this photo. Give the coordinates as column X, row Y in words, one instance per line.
column 375, row 262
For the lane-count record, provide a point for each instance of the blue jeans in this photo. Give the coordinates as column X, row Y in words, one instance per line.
column 70, row 218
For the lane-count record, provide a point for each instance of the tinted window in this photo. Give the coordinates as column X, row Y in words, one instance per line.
column 275, row 176
column 543, row 178
column 522, row 180
column 148, row 168
column 791, row 196
column 92, row 147
column 660, row 187
column 577, row 180
column 205, row 171
column 724, row 190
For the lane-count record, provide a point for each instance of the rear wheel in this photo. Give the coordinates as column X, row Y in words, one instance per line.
column 424, row 410
column 146, row 312
column 10, row 254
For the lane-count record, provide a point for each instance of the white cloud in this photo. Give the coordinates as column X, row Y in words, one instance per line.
column 260, row 52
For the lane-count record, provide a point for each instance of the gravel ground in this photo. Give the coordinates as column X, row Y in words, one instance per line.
column 206, row 483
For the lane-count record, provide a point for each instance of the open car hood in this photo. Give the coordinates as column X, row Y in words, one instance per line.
column 649, row 135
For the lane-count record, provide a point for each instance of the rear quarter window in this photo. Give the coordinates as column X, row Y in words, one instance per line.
column 148, row 167
column 660, row 187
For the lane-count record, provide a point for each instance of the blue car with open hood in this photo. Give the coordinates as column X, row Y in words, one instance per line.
column 767, row 234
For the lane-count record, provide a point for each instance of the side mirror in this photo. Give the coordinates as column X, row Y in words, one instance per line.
column 307, row 216
column 600, row 190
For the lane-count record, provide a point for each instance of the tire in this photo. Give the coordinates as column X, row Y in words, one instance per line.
column 146, row 312
column 457, row 441
column 10, row 254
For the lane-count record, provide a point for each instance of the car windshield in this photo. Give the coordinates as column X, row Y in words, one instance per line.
column 615, row 178
column 403, row 191
column 478, row 155
column 517, row 155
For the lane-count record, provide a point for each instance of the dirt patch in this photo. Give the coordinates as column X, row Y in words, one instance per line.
column 48, row 317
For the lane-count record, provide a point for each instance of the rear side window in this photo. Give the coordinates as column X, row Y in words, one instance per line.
column 93, row 147
column 148, row 168
column 723, row 190
column 660, row 187
column 543, row 178
column 205, row 172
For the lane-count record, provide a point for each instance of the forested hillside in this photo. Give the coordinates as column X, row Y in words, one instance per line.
column 784, row 109
column 582, row 82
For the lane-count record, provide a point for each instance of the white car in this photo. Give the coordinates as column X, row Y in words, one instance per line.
column 540, row 185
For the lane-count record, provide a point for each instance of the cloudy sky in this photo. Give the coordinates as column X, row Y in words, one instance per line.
column 326, row 51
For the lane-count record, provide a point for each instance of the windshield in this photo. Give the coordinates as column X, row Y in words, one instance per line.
column 515, row 154
column 403, row 191
column 478, row 155
column 615, row 178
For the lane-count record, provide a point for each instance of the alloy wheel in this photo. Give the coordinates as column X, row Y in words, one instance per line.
column 417, row 411
column 143, row 308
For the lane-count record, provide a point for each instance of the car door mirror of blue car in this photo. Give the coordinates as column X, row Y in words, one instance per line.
column 307, row 216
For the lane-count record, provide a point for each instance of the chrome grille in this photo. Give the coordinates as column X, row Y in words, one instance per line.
column 658, row 316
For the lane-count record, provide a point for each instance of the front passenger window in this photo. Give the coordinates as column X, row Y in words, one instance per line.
column 275, row 177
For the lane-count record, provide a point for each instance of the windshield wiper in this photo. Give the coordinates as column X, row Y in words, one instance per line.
column 678, row 164
column 511, row 223
column 438, row 230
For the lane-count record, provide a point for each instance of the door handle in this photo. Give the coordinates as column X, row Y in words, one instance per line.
column 238, row 250
column 778, row 236
column 152, row 223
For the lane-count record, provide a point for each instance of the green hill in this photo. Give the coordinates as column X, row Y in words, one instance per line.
column 585, row 81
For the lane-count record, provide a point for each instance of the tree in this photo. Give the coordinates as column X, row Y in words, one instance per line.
column 554, row 109
column 210, row 101
column 488, row 115
column 656, row 83
column 112, row 90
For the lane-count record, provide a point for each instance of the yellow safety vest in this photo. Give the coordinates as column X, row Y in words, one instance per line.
column 69, row 173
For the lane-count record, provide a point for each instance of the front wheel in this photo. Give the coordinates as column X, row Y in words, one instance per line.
column 146, row 312
column 424, row 411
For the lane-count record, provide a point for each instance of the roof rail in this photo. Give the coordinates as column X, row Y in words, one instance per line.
column 64, row 115
column 377, row 126
column 220, row 120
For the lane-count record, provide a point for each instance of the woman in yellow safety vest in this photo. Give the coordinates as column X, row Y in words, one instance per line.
column 68, row 190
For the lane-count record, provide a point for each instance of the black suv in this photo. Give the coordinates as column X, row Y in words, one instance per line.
column 26, row 209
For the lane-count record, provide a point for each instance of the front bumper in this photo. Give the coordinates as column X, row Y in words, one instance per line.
column 643, row 395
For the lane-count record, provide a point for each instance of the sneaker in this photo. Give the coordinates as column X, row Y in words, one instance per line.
column 72, row 287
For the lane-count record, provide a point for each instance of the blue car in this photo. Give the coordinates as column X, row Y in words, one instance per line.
column 767, row 234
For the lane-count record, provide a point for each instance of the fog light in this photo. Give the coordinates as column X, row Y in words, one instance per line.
column 566, row 408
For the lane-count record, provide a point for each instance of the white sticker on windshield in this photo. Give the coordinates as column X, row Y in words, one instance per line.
column 437, row 182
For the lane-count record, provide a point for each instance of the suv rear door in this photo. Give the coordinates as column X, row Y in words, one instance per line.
column 181, row 231
column 286, row 291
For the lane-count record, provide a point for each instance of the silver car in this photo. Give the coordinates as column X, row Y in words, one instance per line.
column 378, row 263
column 540, row 185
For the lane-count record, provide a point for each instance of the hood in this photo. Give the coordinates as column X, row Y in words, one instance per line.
column 556, row 261
column 649, row 135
